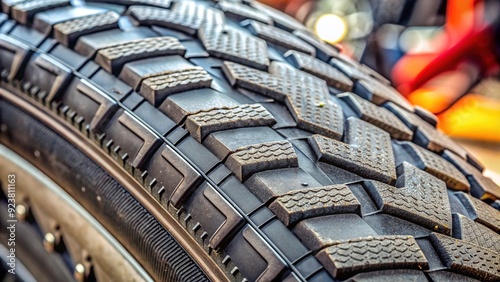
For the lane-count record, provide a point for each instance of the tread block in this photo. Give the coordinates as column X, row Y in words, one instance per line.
column 392, row 275
column 372, row 253
column 419, row 197
column 154, row 3
column 112, row 58
column 240, row 195
column 132, row 101
column 231, row 44
column 262, row 82
column 89, row 44
column 67, row 32
column 49, row 75
column 14, row 56
column 377, row 116
column 262, row 216
column 349, row 68
column 106, row 107
column 24, row 11
column 226, row 142
column 467, row 258
column 424, row 134
column 309, row 64
column 426, row 115
column 159, row 86
column 470, row 231
column 372, row 73
column 385, row 224
column 379, row 93
column 113, row 86
column 251, row 159
column 317, row 114
column 475, row 162
column 8, row 4
column 297, row 205
column 284, row 240
column 368, row 151
column 323, row 231
column 152, row 116
column 242, row 12
column 201, row 157
column 44, row 21
column 281, row 19
column 279, row 37
column 204, row 123
column 312, row 107
column 274, row 263
column 481, row 186
column 481, row 212
column 233, row 219
column 28, row 35
column 73, row 59
column 178, row 106
column 185, row 16
column 310, row 266
column 324, row 51
column 3, row 18
column 437, row 166
column 268, row 185
column 135, row 72
column 439, row 276
column 7, row 26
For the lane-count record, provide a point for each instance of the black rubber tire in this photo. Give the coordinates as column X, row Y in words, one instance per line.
column 281, row 158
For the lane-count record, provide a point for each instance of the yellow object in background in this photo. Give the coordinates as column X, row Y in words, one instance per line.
column 473, row 117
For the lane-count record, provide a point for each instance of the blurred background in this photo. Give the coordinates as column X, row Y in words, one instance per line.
column 442, row 55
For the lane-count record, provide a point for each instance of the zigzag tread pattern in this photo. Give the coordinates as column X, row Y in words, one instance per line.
column 310, row 106
column 367, row 151
column 470, row 231
column 378, row 116
column 439, row 167
column 481, row 186
column 428, row 136
column 467, row 258
column 310, row 64
column 280, row 37
column 422, row 199
column 483, row 213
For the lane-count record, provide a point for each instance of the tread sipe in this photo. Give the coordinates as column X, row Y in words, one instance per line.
column 281, row 157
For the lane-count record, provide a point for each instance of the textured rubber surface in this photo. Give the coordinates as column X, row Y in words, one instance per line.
column 158, row 250
column 237, row 120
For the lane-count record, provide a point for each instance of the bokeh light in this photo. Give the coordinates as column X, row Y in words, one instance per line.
column 330, row 28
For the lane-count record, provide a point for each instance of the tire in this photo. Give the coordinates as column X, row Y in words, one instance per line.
column 223, row 141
